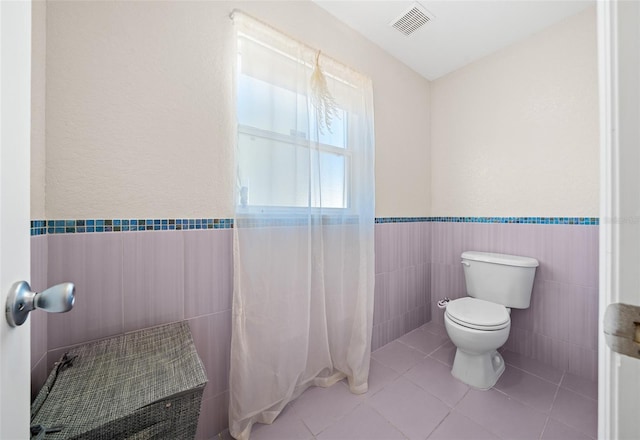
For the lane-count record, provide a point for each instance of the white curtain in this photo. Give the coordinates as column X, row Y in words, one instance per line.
column 304, row 225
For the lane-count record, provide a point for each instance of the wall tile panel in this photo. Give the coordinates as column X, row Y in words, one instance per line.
column 93, row 262
column 208, row 271
column 397, row 290
column 212, row 337
column 214, row 417
column 153, row 278
column 381, row 300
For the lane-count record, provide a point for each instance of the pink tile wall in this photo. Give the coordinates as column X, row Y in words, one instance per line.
column 402, row 299
column 133, row 280
column 560, row 328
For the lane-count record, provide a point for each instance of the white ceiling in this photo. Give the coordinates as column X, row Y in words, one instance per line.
column 459, row 33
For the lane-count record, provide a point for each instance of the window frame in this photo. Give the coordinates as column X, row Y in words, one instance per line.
column 304, row 142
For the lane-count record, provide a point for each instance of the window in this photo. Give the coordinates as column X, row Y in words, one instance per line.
column 285, row 160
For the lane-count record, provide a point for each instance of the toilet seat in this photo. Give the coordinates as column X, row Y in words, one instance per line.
column 478, row 314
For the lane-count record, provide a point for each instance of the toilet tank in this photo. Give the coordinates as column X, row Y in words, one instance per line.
column 499, row 278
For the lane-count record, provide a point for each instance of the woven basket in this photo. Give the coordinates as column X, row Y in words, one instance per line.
column 142, row 385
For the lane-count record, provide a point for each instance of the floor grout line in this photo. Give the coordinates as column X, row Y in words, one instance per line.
column 437, row 348
column 461, row 399
column 388, row 421
column 574, row 390
column 544, row 428
column 439, row 423
column 516, row 399
column 433, row 395
column 553, row 402
column 536, row 375
column 439, row 361
column 528, row 405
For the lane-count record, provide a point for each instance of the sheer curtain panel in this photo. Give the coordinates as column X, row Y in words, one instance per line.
column 304, row 225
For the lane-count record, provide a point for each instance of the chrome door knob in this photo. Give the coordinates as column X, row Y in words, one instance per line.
column 21, row 300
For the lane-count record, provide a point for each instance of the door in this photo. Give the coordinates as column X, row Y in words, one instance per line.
column 619, row 51
column 15, row 116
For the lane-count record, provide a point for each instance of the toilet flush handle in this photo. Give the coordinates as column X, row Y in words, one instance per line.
column 465, row 263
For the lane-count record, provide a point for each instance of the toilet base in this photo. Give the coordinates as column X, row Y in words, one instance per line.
column 480, row 371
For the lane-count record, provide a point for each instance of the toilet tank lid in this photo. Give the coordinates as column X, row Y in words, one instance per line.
column 507, row 260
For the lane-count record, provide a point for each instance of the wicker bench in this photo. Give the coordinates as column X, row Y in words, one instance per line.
column 142, row 385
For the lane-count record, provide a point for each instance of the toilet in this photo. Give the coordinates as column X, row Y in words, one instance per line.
column 479, row 324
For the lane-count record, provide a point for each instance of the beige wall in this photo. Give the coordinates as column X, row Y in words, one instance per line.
column 139, row 108
column 139, row 111
column 38, row 92
column 516, row 133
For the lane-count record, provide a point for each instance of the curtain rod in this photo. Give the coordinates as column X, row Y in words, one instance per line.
column 305, row 45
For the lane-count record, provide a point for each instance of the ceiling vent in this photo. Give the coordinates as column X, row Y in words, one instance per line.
column 412, row 19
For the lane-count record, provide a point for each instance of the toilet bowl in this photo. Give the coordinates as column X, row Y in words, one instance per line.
column 479, row 324
column 477, row 328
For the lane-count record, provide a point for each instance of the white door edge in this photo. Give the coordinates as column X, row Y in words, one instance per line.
column 15, row 119
column 619, row 75
column 606, row 76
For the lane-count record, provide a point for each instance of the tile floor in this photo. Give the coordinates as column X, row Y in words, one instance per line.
column 412, row 395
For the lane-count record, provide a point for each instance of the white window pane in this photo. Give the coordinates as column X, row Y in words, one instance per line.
column 274, row 173
column 262, row 105
column 265, row 106
column 336, row 136
column 277, row 174
column 329, row 191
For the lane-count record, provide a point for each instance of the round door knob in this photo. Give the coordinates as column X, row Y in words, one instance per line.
column 21, row 300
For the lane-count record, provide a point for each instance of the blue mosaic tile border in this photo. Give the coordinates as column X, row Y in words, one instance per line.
column 402, row 219
column 42, row 227
column 522, row 220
